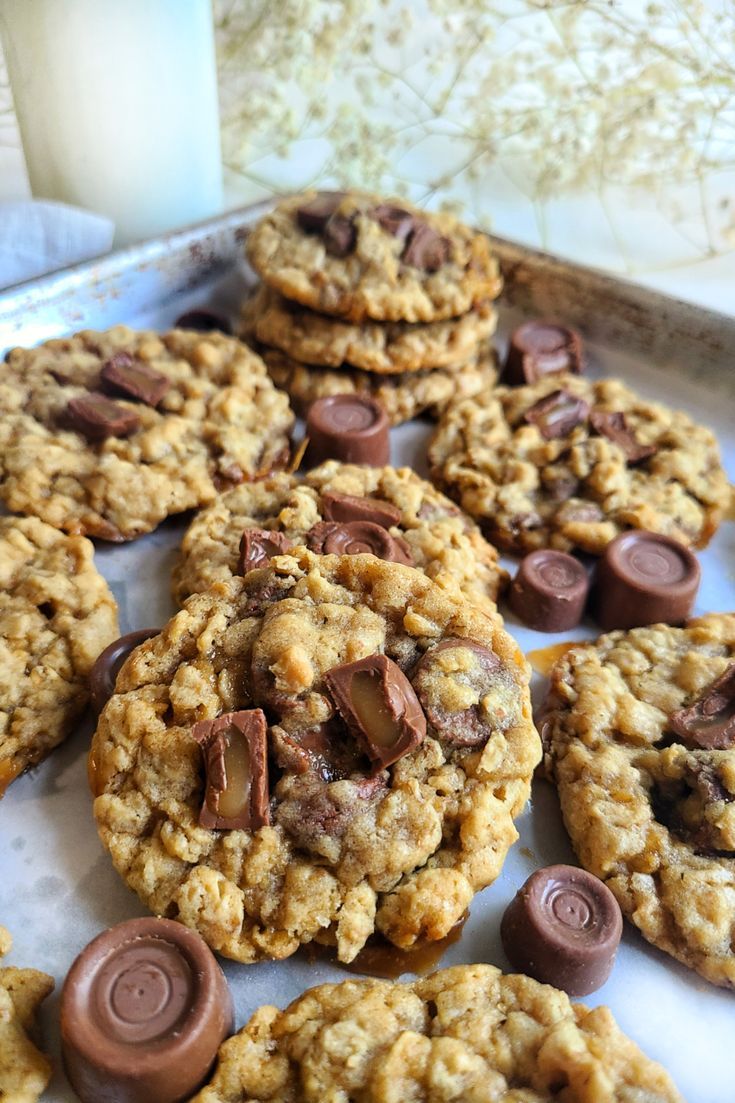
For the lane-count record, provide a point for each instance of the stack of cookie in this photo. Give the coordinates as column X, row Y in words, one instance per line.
column 363, row 295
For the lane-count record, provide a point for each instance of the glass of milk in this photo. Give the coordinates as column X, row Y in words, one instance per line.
column 117, row 107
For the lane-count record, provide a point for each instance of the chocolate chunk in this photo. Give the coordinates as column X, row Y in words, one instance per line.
column 348, row 427
column 538, row 349
column 144, row 1009
column 326, row 751
column 97, row 418
column 236, row 762
column 709, row 721
column 107, row 666
column 474, row 667
column 612, row 424
column 257, row 546
column 317, row 814
column 425, row 248
column 549, row 591
column 348, row 507
column 122, row 375
column 340, row 235
column 312, row 217
column 356, row 538
column 557, row 414
column 563, row 928
column 644, row 578
column 394, row 220
column 377, row 702
column 206, row 321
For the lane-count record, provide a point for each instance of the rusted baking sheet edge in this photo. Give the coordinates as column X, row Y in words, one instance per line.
column 608, row 310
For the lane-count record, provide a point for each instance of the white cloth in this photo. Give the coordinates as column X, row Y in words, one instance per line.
column 39, row 236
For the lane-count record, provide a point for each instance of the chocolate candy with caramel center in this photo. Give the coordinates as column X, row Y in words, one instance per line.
column 348, row 507
column 563, row 927
column 613, row 425
column 477, row 673
column 356, row 538
column 394, row 220
column 144, row 1009
column 313, row 216
column 644, row 578
column 97, row 418
column 709, row 721
column 122, row 375
column 557, row 414
column 549, row 591
column 377, row 702
column 236, row 762
column 107, row 666
column 538, row 349
column 425, row 248
column 352, row 428
column 257, row 546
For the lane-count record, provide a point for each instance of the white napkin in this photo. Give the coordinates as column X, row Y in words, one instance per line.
column 39, row 236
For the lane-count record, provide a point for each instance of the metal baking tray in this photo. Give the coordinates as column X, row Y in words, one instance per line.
column 57, row 885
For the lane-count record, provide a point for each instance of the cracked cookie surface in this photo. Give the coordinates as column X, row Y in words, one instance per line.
column 578, row 489
column 348, row 850
column 56, row 615
column 649, row 811
column 442, row 541
column 24, row 1070
column 402, row 396
column 219, row 421
column 374, row 278
column 384, row 348
column 467, row 1034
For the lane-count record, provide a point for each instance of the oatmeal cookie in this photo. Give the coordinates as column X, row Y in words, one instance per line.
column 106, row 434
column 359, row 257
column 24, row 1071
column 382, row 347
column 402, row 396
column 640, row 739
column 56, row 615
column 439, row 538
column 467, row 1034
column 570, row 463
column 387, row 740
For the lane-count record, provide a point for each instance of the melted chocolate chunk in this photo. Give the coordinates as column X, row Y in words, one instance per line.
column 317, row 814
column 425, row 248
column 377, row 702
column 469, row 727
column 258, row 546
column 327, row 751
column 348, row 507
column 394, row 220
column 613, row 425
column 205, row 321
column 339, row 235
column 709, row 721
column 313, row 216
column 236, row 762
column 129, row 378
column 557, row 414
column 97, row 418
column 668, row 797
column 357, row 538
column 108, row 664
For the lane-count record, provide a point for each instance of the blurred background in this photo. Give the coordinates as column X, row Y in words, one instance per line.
column 600, row 130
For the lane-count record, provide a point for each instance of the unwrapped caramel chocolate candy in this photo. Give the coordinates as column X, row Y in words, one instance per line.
column 236, row 762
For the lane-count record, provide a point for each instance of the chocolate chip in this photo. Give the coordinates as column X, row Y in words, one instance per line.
column 538, row 349
column 205, row 321
column 472, row 667
column 348, row 427
column 313, row 216
column 258, row 546
column 348, row 507
column 612, row 424
column 394, row 220
column 97, row 418
column 122, row 375
column 339, row 235
column 107, row 666
column 557, row 414
column 644, row 578
column 236, row 764
column 357, row 538
column 425, row 248
column 549, row 591
column 563, row 928
column 709, row 721
column 377, row 702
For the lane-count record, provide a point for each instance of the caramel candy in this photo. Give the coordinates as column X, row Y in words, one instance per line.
column 356, row 538
column 538, row 349
column 121, row 375
column 97, row 418
column 205, row 321
column 612, row 424
column 377, row 702
column 107, row 665
column 563, row 928
column 557, row 414
column 709, row 722
column 425, row 248
column 257, row 546
column 349, row 427
column 236, row 762
column 549, row 591
column 644, row 578
column 144, row 1009
column 348, row 507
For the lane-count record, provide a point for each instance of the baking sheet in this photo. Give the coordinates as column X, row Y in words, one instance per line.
column 57, row 885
